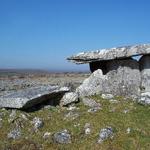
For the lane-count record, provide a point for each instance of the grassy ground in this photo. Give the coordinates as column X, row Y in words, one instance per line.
column 137, row 119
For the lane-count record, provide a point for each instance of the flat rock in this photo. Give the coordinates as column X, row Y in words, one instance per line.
column 32, row 96
column 110, row 54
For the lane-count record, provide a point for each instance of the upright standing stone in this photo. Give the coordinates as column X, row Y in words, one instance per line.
column 145, row 73
column 123, row 78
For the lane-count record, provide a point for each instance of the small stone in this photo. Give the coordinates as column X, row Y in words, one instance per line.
column 128, row 130
column 94, row 109
column 76, row 125
column 105, row 133
column 38, row 123
column 62, row 137
column 72, row 108
column 87, row 128
column 113, row 101
column 107, row 96
column 14, row 134
column 46, row 135
column 125, row 111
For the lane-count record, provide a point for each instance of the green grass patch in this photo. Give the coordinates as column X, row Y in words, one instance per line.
column 120, row 115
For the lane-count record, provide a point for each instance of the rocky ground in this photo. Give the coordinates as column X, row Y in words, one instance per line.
column 102, row 122
column 12, row 81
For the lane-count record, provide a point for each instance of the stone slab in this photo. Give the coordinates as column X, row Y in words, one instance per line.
column 110, row 54
column 29, row 97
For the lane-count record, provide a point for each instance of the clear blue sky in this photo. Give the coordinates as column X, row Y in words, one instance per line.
column 42, row 33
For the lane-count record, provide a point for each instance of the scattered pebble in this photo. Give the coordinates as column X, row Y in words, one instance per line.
column 94, row 109
column 113, row 101
column 46, row 135
column 105, row 133
column 14, row 134
column 62, row 137
column 107, row 96
column 125, row 111
column 38, row 123
column 128, row 130
column 87, row 128
column 72, row 108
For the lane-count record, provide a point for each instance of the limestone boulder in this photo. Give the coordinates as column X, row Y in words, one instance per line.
column 68, row 98
column 92, row 85
column 32, row 96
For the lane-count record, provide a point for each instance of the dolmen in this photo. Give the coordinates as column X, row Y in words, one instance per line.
column 30, row 97
column 117, row 71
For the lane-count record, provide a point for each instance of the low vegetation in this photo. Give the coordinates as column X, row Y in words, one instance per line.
column 130, row 122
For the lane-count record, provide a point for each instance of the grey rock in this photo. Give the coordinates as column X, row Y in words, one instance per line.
column 29, row 97
column 38, row 123
column 14, row 134
column 105, row 133
column 69, row 98
column 123, row 79
column 145, row 73
column 92, row 85
column 145, row 98
column 107, row 96
column 110, row 54
column 90, row 102
column 62, row 137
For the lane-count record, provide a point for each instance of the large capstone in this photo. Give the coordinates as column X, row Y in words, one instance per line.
column 32, row 96
column 110, row 54
column 145, row 73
